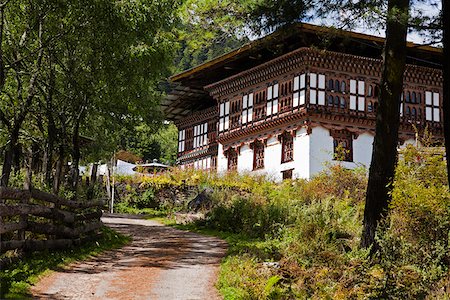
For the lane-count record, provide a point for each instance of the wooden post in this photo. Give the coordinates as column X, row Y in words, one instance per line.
column 108, row 186
column 113, row 191
column 94, row 173
column 27, row 185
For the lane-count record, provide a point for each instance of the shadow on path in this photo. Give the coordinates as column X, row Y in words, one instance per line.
column 160, row 263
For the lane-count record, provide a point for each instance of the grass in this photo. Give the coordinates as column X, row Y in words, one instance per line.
column 17, row 279
column 311, row 230
column 242, row 262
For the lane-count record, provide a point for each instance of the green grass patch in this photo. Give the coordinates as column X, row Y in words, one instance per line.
column 16, row 280
column 149, row 213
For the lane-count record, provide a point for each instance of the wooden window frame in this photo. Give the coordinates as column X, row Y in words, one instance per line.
column 287, row 141
column 299, row 91
column 357, row 95
column 287, row 174
column 247, row 108
column 317, row 89
column 232, row 157
column 200, row 135
column 273, row 94
column 181, row 141
column 344, row 138
column 258, row 155
column 432, row 106
column 224, row 116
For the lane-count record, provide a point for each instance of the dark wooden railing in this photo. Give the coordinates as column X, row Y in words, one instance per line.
column 33, row 220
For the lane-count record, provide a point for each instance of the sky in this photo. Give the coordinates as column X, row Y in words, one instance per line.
column 426, row 8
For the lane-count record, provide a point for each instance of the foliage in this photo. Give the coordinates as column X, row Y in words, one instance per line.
column 300, row 239
column 15, row 280
column 151, row 143
column 81, row 69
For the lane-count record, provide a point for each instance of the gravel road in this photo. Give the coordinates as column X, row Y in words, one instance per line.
column 160, row 263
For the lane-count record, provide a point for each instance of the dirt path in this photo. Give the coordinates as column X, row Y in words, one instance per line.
column 160, row 263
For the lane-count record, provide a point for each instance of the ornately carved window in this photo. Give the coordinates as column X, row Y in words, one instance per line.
column 200, row 135
column 432, row 106
column 316, row 89
column 258, row 155
column 357, row 98
column 272, row 99
column 232, row 159
column 299, row 90
column 342, row 145
column 224, row 116
column 287, row 147
column 181, row 140
column 247, row 108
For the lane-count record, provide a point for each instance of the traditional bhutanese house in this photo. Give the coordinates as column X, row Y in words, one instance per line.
column 288, row 103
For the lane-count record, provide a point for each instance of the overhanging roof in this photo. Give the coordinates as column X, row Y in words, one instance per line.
column 187, row 94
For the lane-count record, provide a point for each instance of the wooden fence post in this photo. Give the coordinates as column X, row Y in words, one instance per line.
column 27, row 185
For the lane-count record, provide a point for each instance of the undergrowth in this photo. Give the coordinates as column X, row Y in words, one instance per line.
column 16, row 279
column 300, row 239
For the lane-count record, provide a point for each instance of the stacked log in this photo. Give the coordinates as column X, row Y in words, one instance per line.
column 62, row 223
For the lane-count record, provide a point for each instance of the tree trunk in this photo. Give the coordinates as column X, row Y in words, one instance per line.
column 59, row 174
column 9, row 156
column 94, row 174
column 446, row 96
column 74, row 170
column 51, row 128
column 384, row 154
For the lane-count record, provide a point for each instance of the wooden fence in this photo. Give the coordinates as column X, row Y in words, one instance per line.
column 33, row 220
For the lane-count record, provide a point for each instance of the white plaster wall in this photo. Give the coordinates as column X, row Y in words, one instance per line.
column 312, row 154
column 409, row 142
column 222, row 162
column 272, row 158
column 245, row 159
column 302, row 154
column 362, row 150
column 321, row 149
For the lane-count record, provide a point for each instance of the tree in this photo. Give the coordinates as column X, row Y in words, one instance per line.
column 79, row 68
column 22, row 34
column 446, row 74
column 384, row 154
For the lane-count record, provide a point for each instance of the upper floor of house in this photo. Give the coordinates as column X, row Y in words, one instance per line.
column 316, row 83
column 297, row 73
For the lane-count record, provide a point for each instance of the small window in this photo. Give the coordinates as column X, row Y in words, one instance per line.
column 181, row 140
column 342, row 145
column 287, row 147
column 331, row 84
column 258, row 155
column 408, row 97
column 336, row 101
column 287, row 174
column 432, row 109
column 343, row 105
column 317, row 89
column 343, row 86
column 232, row 156
column 413, row 97
column 337, row 85
column 330, row 100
